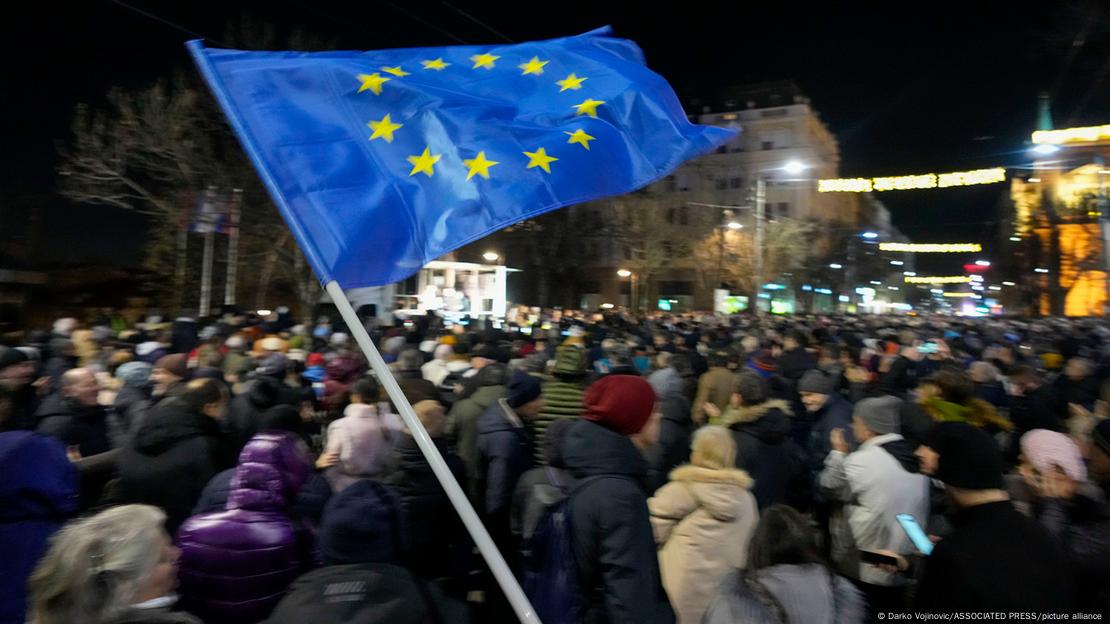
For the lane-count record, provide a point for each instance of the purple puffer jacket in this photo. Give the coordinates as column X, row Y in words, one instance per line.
column 236, row 564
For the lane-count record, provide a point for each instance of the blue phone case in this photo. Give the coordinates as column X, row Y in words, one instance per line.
column 915, row 533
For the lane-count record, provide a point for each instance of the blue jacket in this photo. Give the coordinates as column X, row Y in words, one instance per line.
column 38, row 492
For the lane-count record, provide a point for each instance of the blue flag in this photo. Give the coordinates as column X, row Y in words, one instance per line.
column 383, row 161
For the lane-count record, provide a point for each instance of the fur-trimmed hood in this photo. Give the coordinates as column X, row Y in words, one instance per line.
column 752, row 413
column 720, row 493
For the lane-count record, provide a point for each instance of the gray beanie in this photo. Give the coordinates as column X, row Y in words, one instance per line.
column 881, row 414
column 816, row 381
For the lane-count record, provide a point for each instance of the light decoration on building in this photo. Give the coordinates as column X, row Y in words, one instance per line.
column 1087, row 134
column 932, row 247
column 910, row 182
column 962, row 295
column 946, row 279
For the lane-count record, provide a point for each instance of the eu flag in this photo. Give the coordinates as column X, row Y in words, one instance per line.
column 382, row 161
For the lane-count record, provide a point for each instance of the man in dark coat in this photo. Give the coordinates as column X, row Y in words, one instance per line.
column 828, row 410
column 675, row 427
column 73, row 416
column 363, row 581
column 17, row 376
column 996, row 559
column 614, row 549
column 177, row 452
column 462, row 420
column 266, row 390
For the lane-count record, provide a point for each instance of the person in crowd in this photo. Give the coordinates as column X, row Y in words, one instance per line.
column 360, row 444
column 264, row 389
column 829, row 410
column 236, row 564
column 63, row 357
column 995, row 559
column 715, row 386
column 675, row 427
column 408, row 365
column 902, row 373
column 703, row 519
column 132, row 401
column 181, row 444
column 364, row 580
column 505, row 451
column 876, row 482
column 562, row 392
column 437, row 547
column 39, row 491
column 614, row 549
column 462, row 420
column 761, row 427
column 340, row 373
column 785, row 580
column 17, row 376
column 1078, row 384
column 170, row 373
column 435, row 370
column 1032, row 406
column 1076, row 512
column 988, row 384
column 543, row 485
column 117, row 567
column 956, row 402
column 236, row 362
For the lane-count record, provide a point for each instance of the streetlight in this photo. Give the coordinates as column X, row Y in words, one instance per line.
column 1045, row 149
column 836, row 266
column 1016, row 239
column 897, row 262
column 733, row 225
column 491, row 256
column 794, row 166
column 982, row 263
column 1040, row 270
column 624, row 273
column 870, row 235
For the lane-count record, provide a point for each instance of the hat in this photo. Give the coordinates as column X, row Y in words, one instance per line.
column 535, row 363
column 622, row 403
column 361, row 524
column 1047, row 449
column 339, row 339
column 281, row 418
column 11, row 357
column 570, row 361
column 314, row 359
column 176, row 364
column 134, row 374
column 522, row 389
column 817, row 382
column 880, row 414
column 969, row 457
column 275, row 365
column 1101, row 435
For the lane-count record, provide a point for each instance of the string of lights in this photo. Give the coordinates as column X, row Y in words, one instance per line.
column 910, row 182
column 932, row 247
column 948, row 279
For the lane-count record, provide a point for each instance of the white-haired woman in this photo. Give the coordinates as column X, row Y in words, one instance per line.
column 117, row 567
column 703, row 519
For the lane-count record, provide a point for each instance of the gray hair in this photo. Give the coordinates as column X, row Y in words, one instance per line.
column 97, row 566
column 410, row 359
column 983, row 372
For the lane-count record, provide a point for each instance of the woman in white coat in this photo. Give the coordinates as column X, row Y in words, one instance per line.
column 703, row 519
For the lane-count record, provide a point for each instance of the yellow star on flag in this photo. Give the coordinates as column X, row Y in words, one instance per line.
column 373, row 82
column 435, row 64
column 579, row 136
column 479, row 165
column 424, row 163
column 539, row 158
column 534, row 66
column 384, row 129
column 484, row 60
column 589, row 107
column 570, row 82
column 396, row 71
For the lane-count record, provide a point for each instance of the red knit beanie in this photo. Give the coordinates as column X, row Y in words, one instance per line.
column 622, row 403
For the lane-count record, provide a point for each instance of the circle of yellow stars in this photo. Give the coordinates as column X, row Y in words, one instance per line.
column 480, row 165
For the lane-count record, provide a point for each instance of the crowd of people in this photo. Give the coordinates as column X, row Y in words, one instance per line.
column 630, row 469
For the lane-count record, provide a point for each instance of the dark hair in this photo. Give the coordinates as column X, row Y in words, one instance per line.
column 1024, row 373
column 201, row 392
column 955, row 385
column 782, row 537
column 368, row 389
column 718, row 358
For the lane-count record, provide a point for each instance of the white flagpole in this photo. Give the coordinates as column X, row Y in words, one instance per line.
column 474, row 526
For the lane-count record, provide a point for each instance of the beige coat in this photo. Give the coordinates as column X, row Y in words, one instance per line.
column 702, row 520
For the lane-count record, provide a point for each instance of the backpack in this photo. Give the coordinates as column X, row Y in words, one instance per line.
column 550, row 573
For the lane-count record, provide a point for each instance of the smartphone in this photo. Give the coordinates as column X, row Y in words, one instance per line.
column 869, row 556
column 566, row 332
column 928, row 348
column 916, row 534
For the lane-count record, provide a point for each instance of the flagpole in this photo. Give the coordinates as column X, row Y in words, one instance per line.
column 474, row 526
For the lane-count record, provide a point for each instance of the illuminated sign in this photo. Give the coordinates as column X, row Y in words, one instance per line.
column 910, row 182
column 947, row 279
column 932, row 247
column 1088, row 134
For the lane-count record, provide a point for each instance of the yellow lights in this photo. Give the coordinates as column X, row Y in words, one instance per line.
column 905, row 183
column 969, row 178
column 948, row 279
column 932, row 247
column 1088, row 134
column 845, row 185
column 961, row 295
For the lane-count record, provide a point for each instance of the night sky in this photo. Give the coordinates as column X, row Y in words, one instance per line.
column 907, row 88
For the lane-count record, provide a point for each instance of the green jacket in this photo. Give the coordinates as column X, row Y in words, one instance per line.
column 561, row 399
column 462, row 425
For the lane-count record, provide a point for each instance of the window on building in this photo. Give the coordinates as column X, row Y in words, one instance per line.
column 668, row 248
column 767, row 145
column 684, row 216
column 671, row 185
column 722, row 184
column 783, row 209
column 670, row 216
column 736, row 182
